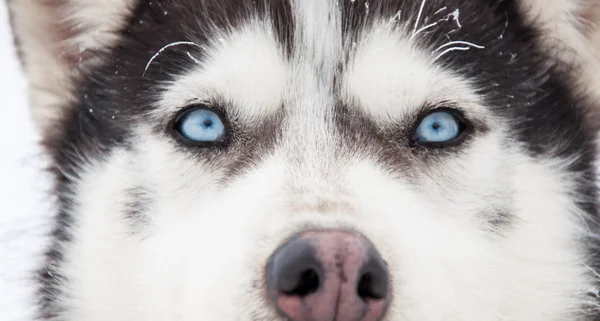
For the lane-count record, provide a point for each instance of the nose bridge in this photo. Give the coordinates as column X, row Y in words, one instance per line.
column 310, row 136
column 311, row 92
column 315, row 170
column 311, row 145
column 309, row 118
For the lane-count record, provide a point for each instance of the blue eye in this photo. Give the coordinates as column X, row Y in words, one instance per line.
column 202, row 125
column 439, row 127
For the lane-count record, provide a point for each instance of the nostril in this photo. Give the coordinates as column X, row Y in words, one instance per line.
column 295, row 270
column 368, row 289
column 374, row 280
column 308, row 282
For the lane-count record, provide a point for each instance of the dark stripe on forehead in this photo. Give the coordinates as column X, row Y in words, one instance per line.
column 204, row 20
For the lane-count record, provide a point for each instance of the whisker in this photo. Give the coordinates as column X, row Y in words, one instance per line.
column 456, row 15
column 396, row 16
column 424, row 28
column 165, row 47
column 440, row 10
column 419, row 16
column 450, row 50
column 505, row 27
column 592, row 270
column 192, row 57
column 458, row 42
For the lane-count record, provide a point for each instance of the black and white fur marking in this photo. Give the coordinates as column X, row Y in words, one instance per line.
column 321, row 98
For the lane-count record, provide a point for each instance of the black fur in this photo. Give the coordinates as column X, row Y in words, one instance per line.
column 519, row 80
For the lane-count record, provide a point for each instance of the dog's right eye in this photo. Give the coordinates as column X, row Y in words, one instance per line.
column 439, row 128
column 202, row 125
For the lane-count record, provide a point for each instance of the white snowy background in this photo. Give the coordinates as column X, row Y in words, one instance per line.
column 23, row 185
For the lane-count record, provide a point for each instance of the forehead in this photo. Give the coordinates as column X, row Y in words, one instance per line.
column 384, row 58
column 254, row 54
column 249, row 69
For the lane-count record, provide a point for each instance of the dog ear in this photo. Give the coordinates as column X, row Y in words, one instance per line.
column 566, row 19
column 55, row 39
column 592, row 16
column 571, row 31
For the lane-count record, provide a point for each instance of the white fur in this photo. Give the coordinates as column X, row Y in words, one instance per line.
column 390, row 78
column 246, row 70
column 202, row 251
column 187, row 265
column 206, row 244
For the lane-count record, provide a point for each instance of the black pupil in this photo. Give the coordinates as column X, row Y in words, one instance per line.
column 436, row 125
column 207, row 122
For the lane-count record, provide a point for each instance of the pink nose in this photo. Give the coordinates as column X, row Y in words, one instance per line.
column 328, row 276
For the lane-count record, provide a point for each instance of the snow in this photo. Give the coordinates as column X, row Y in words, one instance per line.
column 23, row 202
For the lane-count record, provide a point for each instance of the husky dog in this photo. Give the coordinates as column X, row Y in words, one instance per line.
column 317, row 160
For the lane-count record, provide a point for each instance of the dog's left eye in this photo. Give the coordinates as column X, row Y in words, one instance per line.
column 202, row 125
column 439, row 127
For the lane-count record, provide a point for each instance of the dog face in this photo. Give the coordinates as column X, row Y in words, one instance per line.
column 315, row 160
